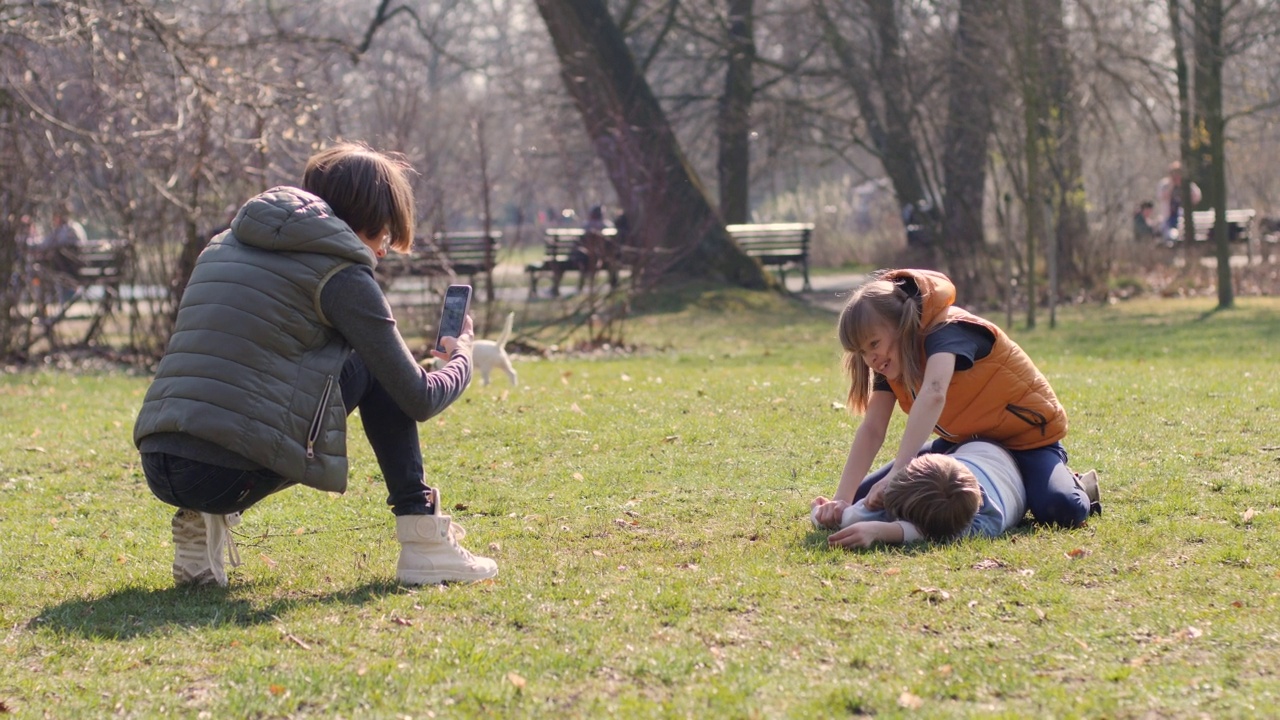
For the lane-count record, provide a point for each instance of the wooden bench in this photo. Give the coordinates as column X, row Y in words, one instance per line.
column 447, row 254
column 1239, row 225
column 779, row 245
column 558, row 257
column 92, row 294
column 1239, row 229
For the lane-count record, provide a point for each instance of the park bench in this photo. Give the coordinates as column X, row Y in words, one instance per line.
column 457, row 253
column 1239, row 228
column 557, row 258
column 782, row 246
column 92, row 294
column 1239, row 225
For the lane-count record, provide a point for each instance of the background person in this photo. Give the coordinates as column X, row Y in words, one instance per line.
column 1144, row 229
column 1169, row 201
column 60, row 251
column 280, row 334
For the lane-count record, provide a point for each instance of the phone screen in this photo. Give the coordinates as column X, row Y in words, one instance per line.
column 457, row 300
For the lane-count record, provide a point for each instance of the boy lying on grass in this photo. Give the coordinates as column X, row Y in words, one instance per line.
column 973, row 490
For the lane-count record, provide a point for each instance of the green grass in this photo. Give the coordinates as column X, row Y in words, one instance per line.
column 649, row 516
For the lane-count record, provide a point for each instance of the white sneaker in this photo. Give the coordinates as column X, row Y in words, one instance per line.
column 199, row 540
column 430, row 553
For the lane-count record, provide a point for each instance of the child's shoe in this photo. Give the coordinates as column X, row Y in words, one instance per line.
column 1089, row 483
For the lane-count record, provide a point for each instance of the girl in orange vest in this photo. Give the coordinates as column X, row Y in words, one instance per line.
column 955, row 374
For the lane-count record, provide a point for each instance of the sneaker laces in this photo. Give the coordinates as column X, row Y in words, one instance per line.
column 456, row 533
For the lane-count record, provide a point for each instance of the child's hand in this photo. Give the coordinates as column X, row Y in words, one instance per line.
column 875, row 496
column 827, row 513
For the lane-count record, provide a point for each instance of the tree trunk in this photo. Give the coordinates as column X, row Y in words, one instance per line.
column 672, row 220
column 1034, row 117
column 1185, row 150
column 1071, row 228
column 965, row 141
column 734, row 119
column 1209, row 20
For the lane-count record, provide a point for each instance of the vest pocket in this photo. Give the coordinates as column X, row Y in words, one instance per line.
column 1029, row 416
column 317, row 421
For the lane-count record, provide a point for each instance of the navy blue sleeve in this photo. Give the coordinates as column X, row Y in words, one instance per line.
column 969, row 343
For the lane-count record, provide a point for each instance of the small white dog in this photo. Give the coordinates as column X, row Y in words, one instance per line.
column 489, row 354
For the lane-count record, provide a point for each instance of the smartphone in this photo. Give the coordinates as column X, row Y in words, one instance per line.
column 457, row 302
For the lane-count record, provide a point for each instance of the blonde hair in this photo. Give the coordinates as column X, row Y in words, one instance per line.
column 936, row 493
column 880, row 302
column 367, row 189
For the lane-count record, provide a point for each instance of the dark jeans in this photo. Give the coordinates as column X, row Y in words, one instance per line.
column 392, row 434
column 1052, row 494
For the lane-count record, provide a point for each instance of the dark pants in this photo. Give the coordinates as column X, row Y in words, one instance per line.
column 392, row 434
column 1052, row 494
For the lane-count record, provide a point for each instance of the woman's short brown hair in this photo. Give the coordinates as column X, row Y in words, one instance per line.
column 936, row 493
column 367, row 189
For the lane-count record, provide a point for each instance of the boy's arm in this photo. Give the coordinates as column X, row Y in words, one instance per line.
column 866, row 534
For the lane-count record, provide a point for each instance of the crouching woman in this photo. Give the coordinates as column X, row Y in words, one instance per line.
column 281, row 333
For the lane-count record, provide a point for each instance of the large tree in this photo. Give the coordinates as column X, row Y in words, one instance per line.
column 672, row 219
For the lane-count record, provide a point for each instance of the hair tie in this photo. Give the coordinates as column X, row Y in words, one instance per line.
column 907, row 284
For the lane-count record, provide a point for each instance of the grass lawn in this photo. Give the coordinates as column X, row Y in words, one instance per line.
column 649, row 514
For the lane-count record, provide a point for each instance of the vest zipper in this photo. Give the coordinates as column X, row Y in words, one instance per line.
column 1030, row 417
column 314, row 432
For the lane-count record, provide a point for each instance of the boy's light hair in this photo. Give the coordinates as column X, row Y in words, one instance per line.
column 936, row 493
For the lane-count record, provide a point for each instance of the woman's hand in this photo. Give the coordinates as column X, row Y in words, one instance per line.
column 463, row 342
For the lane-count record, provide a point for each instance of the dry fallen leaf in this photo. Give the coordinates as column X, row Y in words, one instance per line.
column 516, row 680
column 932, row 594
column 1190, row 633
column 909, row 701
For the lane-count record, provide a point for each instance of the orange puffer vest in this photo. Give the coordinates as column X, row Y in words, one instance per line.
column 1003, row 397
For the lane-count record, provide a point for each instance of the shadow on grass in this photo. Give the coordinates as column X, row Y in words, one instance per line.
column 134, row 612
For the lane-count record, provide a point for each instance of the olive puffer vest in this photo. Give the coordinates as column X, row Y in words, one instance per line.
column 1003, row 397
column 253, row 365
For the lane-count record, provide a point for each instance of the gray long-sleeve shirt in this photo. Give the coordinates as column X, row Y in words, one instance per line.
column 355, row 306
